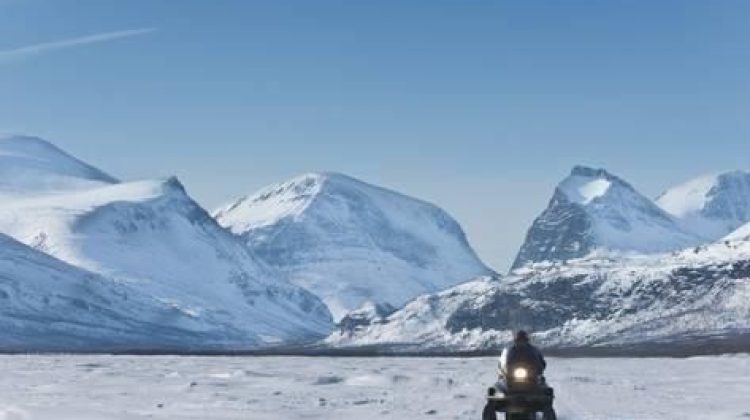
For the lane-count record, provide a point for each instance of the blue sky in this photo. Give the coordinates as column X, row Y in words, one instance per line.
column 480, row 106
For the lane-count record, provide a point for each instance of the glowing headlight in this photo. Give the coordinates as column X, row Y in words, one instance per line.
column 520, row 373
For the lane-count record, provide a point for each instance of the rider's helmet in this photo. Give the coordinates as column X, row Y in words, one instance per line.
column 521, row 337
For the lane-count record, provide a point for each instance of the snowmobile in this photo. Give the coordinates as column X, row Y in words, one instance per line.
column 521, row 393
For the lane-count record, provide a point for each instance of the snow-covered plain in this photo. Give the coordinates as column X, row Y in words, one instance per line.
column 265, row 388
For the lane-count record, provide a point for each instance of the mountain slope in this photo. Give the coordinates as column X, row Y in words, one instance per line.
column 351, row 242
column 742, row 233
column 48, row 305
column 672, row 300
column 30, row 165
column 152, row 236
column 711, row 206
column 592, row 210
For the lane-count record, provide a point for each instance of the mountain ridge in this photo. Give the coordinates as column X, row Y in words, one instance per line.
column 591, row 303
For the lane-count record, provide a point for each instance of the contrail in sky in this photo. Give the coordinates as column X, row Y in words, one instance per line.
column 37, row 49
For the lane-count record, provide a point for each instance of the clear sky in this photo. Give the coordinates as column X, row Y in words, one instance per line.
column 478, row 106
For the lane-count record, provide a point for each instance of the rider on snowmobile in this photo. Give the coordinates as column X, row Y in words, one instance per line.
column 520, row 372
column 521, row 351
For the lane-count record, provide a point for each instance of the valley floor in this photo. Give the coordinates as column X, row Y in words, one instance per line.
column 271, row 388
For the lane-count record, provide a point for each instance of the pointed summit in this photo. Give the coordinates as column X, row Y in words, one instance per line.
column 585, row 184
column 592, row 210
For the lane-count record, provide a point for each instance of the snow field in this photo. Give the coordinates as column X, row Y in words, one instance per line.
column 265, row 388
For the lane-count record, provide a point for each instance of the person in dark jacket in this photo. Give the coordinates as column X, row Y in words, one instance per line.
column 522, row 352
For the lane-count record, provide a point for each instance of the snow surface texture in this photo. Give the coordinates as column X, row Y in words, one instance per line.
column 673, row 299
column 151, row 236
column 593, row 210
column 353, row 243
column 710, row 206
column 272, row 388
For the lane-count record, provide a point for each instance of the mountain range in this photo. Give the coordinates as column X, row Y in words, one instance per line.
column 685, row 298
column 272, row 273
column 602, row 267
column 149, row 237
column 92, row 263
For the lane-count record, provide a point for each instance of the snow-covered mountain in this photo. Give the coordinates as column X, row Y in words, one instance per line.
column 711, row 206
column 603, row 266
column 48, row 305
column 351, row 242
column 673, row 299
column 30, row 165
column 92, row 263
column 151, row 236
column 593, row 210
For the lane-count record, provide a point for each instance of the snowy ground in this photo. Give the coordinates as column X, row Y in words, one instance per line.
column 265, row 388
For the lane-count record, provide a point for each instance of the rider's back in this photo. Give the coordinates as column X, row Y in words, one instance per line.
column 525, row 353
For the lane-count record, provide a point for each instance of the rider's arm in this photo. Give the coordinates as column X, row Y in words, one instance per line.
column 541, row 360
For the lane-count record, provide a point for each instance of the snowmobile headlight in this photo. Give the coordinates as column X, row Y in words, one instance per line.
column 520, row 373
